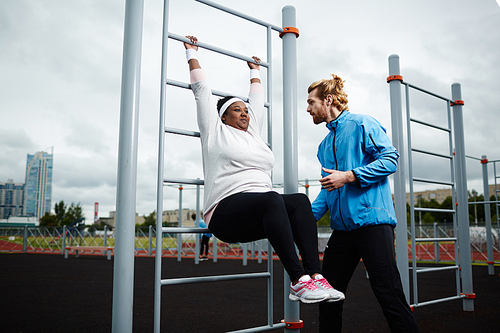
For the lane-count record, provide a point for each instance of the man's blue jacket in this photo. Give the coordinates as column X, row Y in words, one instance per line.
column 358, row 143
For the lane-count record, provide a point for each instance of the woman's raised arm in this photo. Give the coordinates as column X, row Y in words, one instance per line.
column 191, row 50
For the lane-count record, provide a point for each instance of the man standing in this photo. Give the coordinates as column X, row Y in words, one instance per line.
column 356, row 158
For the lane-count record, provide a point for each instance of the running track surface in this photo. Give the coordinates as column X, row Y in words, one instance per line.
column 47, row 293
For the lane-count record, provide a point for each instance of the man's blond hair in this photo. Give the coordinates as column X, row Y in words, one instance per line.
column 334, row 87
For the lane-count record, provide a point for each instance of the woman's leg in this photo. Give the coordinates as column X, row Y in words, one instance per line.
column 246, row 217
column 304, row 229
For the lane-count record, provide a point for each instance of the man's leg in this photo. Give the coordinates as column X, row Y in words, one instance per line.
column 376, row 246
column 339, row 262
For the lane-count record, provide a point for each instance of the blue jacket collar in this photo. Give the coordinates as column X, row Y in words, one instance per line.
column 334, row 123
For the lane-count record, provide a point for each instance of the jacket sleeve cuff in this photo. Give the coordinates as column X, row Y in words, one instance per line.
column 356, row 181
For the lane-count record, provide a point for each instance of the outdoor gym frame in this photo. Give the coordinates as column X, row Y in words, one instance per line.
column 127, row 158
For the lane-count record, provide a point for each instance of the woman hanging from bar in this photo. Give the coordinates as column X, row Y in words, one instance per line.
column 240, row 204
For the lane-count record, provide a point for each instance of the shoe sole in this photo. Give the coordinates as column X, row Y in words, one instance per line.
column 336, row 299
column 295, row 298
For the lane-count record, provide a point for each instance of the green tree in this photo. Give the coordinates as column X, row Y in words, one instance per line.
column 60, row 209
column 73, row 213
column 48, row 220
column 150, row 219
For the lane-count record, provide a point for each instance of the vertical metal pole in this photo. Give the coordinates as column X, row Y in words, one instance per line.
column 462, row 203
column 25, row 239
column 307, row 187
column 244, row 248
column 197, row 225
column 150, row 241
column 63, row 248
column 123, row 279
column 105, row 242
column 159, row 181
column 487, row 216
column 399, row 175
column 436, row 244
column 179, row 224
column 290, row 141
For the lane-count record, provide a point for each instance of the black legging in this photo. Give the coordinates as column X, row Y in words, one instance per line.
column 204, row 245
column 284, row 219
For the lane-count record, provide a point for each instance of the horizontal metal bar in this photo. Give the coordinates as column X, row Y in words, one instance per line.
column 241, row 15
column 423, row 180
column 181, row 132
column 181, row 230
column 183, row 181
column 427, row 92
column 436, row 269
column 261, row 328
column 442, row 239
column 435, row 210
column 214, row 278
column 218, row 50
column 214, row 92
column 430, row 125
column 446, row 299
column 483, row 202
column 431, row 153
column 474, row 158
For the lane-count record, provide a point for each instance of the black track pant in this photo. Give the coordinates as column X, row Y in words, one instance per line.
column 284, row 219
column 204, row 245
column 375, row 245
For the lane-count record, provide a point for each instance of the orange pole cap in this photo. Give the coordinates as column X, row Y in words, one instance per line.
column 457, row 102
column 294, row 325
column 288, row 30
column 394, row 77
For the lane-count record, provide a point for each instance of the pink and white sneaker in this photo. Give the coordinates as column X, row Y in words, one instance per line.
column 307, row 291
column 323, row 285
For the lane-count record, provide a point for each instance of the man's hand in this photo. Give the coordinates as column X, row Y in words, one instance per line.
column 336, row 179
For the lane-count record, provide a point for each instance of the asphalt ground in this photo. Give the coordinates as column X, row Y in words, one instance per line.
column 47, row 293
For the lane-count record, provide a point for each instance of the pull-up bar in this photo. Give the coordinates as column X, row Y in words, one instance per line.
column 241, row 15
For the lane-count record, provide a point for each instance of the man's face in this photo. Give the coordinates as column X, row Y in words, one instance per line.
column 317, row 107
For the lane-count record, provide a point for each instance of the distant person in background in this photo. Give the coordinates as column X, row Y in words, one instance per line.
column 204, row 238
column 356, row 158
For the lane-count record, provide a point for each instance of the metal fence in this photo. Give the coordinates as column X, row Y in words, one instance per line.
column 55, row 239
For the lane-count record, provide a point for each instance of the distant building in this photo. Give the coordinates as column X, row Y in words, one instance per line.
column 168, row 216
column 11, row 199
column 441, row 194
column 38, row 185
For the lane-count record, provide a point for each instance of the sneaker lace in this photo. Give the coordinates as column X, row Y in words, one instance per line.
column 311, row 285
column 324, row 283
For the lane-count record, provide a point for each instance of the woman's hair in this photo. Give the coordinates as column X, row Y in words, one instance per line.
column 221, row 102
column 334, row 87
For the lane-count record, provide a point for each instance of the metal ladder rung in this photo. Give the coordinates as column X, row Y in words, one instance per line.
column 182, row 132
column 181, row 230
column 423, row 180
column 435, row 210
column 219, row 93
column 435, row 269
column 446, row 299
column 183, row 181
column 260, row 328
column 450, row 239
column 430, row 125
column 214, row 278
column 431, row 153
column 217, row 49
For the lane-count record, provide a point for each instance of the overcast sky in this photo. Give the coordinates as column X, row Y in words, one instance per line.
column 60, row 65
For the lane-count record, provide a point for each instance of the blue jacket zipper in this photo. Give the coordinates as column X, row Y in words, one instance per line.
column 336, row 168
